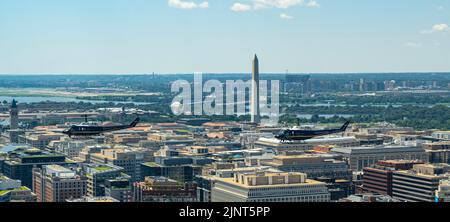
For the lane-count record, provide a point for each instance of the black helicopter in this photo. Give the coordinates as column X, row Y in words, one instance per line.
column 93, row 129
column 302, row 135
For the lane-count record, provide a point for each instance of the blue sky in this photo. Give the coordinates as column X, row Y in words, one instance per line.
column 184, row 36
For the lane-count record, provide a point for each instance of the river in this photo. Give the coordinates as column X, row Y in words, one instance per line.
column 36, row 99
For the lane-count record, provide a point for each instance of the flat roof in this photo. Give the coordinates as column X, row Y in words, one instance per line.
column 380, row 149
column 232, row 181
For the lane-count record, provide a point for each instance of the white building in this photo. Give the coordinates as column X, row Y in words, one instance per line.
column 359, row 157
column 277, row 145
column 70, row 148
column 269, row 187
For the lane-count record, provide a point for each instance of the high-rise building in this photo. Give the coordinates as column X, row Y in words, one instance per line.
column 378, row 178
column 254, row 105
column 97, row 174
column 18, row 164
column 420, row 183
column 54, row 183
column 269, row 187
column 162, row 189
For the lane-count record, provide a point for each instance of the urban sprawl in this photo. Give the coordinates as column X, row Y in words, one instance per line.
column 215, row 159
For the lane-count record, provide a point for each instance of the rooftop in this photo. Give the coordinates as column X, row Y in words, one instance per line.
column 310, row 141
column 233, row 181
column 379, row 149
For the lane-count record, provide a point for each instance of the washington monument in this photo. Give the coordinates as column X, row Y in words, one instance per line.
column 254, row 106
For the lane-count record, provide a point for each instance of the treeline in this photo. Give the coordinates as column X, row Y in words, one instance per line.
column 126, row 98
column 436, row 117
column 392, row 98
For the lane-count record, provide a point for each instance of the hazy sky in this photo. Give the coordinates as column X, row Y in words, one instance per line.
column 184, row 36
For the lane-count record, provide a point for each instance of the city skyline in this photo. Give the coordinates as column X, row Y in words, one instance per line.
column 181, row 36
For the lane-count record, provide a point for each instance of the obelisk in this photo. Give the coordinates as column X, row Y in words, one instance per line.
column 254, row 103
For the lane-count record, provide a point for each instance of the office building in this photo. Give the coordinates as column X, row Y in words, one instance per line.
column 69, row 147
column 420, row 183
column 39, row 139
column 13, row 191
column 377, row 179
column 119, row 188
column 54, row 183
column 97, row 174
column 359, row 157
column 314, row 165
column 19, row 163
column 338, row 188
column 438, row 152
column 129, row 159
column 178, row 172
column 277, row 145
column 269, row 187
column 162, row 189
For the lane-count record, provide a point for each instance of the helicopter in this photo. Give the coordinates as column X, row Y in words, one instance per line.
column 94, row 129
column 302, row 135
